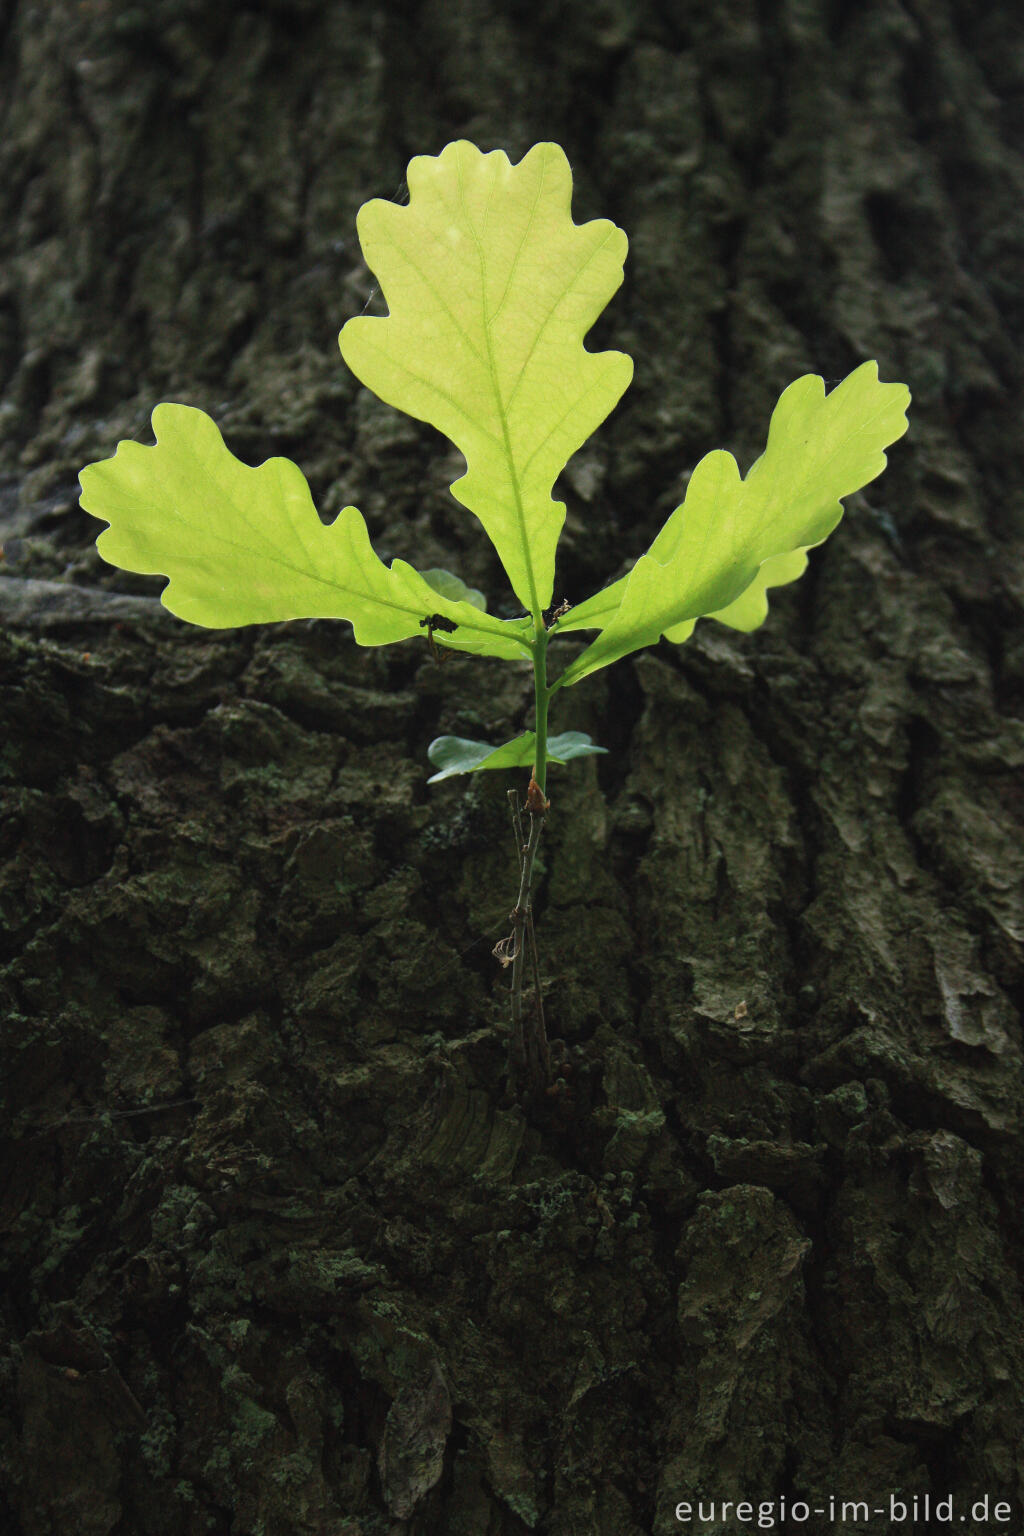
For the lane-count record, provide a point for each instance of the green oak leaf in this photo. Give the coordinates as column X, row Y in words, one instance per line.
column 457, row 754
column 491, row 288
column 712, row 548
column 245, row 546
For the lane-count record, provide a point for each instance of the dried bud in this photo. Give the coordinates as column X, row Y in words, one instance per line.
column 535, row 801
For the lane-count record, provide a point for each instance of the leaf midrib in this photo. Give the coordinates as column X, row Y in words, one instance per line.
column 524, row 543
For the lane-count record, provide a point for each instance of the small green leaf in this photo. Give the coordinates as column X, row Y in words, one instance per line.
column 454, row 588
column 491, row 289
column 712, row 548
column 567, row 745
column 457, row 754
column 245, row 546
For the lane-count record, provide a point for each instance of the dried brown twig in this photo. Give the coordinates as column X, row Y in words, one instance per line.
column 529, row 1058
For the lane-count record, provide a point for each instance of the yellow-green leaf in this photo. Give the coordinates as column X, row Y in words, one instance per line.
column 716, row 546
column 245, row 546
column 491, row 289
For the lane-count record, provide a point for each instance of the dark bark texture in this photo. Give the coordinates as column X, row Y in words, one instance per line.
column 280, row 1257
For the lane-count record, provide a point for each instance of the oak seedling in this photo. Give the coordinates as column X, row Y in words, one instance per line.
column 491, row 288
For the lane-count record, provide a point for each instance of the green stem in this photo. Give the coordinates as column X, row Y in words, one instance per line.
column 542, row 696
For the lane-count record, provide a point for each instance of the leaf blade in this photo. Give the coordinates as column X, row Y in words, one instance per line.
column 491, row 288
column 243, row 545
column 710, row 551
column 458, row 754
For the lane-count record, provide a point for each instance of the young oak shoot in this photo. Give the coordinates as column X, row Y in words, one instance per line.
column 491, row 288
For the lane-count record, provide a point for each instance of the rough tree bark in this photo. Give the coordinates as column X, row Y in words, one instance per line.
column 277, row 1257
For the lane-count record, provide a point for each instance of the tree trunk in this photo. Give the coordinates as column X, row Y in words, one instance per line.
column 280, row 1254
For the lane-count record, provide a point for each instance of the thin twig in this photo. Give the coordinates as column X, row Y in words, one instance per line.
column 529, row 1060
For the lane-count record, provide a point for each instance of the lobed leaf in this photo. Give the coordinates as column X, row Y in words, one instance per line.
column 244, row 545
column 491, row 288
column 732, row 538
